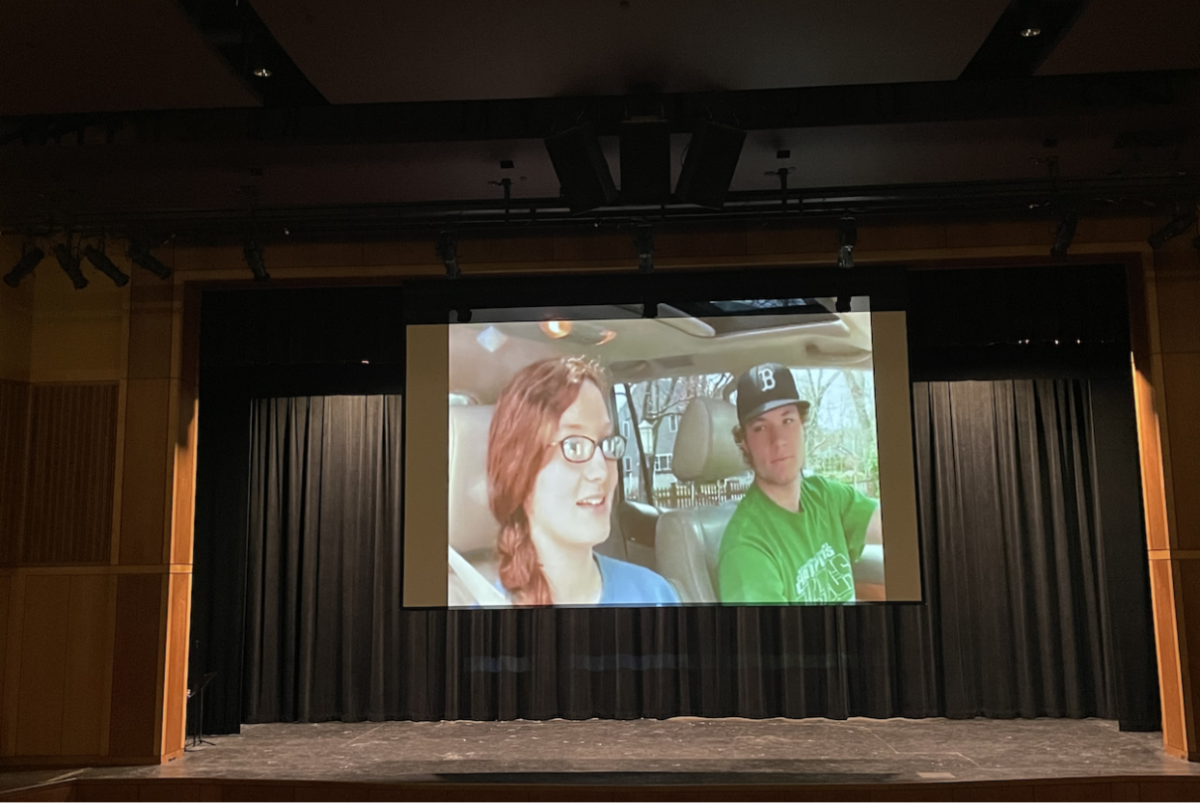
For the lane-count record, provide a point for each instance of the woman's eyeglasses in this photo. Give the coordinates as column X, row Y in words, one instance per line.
column 580, row 448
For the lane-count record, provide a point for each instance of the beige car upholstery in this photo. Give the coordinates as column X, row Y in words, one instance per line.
column 473, row 529
column 687, row 541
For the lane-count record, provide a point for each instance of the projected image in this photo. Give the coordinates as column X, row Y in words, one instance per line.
column 624, row 461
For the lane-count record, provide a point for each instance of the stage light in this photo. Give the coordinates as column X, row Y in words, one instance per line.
column 643, row 240
column 253, row 253
column 1175, row 226
column 69, row 262
column 105, row 265
column 712, row 158
column 447, row 251
column 262, row 72
column 139, row 254
column 1064, row 234
column 25, row 265
column 1031, row 22
column 581, row 168
column 847, row 239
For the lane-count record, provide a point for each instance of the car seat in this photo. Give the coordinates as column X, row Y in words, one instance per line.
column 473, row 528
column 687, row 541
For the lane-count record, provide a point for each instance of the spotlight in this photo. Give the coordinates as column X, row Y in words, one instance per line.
column 847, row 239
column 105, row 265
column 139, row 254
column 643, row 240
column 447, row 250
column 262, row 72
column 252, row 251
column 1175, row 227
column 1064, row 234
column 29, row 260
column 70, row 265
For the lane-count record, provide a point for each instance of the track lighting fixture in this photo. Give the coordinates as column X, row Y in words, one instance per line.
column 252, row 251
column 69, row 261
column 105, row 265
column 447, row 250
column 643, row 240
column 1064, row 234
column 25, row 265
column 1175, row 226
column 139, row 254
column 847, row 239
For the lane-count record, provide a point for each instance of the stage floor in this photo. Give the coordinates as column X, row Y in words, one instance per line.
column 684, row 750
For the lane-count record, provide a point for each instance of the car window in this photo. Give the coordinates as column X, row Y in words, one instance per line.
column 649, row 414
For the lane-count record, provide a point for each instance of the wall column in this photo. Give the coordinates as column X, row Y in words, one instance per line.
column 1167, row 389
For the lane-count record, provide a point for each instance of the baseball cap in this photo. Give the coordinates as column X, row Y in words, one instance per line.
column 765, row 387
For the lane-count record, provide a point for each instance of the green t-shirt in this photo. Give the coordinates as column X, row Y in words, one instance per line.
column 769, row 554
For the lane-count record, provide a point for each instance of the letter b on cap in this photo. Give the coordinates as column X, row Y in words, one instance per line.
column 765, row 377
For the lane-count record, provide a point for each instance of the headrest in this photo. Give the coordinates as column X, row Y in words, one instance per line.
column 704, row 445
column 472, row 526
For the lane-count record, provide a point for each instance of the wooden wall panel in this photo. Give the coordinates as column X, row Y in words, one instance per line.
column 5, row 590
column 1181, row 381
column 144, row 485
column 72, row 465
column 135, row 678
column 1170, row 677
column 150, row 329
column 89, row 640
column 184, row 498
column 175, row 704
column 14, row 432
column 12, row 666
column 43, row 665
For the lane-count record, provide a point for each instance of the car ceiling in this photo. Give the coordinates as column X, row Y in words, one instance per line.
column 481, row 363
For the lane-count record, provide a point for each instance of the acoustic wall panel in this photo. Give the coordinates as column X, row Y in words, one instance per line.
column 72, row 457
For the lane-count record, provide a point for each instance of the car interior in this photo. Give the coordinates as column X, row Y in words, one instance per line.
column 680, row 544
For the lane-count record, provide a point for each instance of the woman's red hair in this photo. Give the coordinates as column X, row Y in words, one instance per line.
column 527, row 413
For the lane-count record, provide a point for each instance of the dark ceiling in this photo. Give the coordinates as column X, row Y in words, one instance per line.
column 379, row 115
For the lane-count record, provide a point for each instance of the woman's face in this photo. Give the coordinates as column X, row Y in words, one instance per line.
column 571, row 502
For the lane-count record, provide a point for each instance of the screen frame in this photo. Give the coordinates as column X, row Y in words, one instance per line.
column 432, row 304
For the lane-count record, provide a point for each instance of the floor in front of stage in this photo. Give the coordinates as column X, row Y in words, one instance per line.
column 677, row 751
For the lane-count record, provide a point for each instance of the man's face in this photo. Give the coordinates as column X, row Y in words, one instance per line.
column 775, row 441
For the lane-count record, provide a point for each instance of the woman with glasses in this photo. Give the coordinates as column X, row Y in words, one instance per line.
column 552, row 478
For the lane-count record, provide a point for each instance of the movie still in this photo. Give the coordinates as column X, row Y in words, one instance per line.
column 630, row 461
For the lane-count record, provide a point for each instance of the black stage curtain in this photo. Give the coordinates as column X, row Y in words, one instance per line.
column 323, row 564
column 1021, row 594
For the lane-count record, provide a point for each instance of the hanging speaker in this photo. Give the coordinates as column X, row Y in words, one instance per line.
column 581, row 168
column 708, row 168
column 645, row 161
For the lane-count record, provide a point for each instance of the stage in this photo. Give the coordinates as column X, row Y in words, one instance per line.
column 650, row 759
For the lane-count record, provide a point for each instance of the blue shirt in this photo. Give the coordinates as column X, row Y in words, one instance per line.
column 632, row 585
column 629, row 585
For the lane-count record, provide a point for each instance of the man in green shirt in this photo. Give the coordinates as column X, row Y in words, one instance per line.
column 793, row 538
